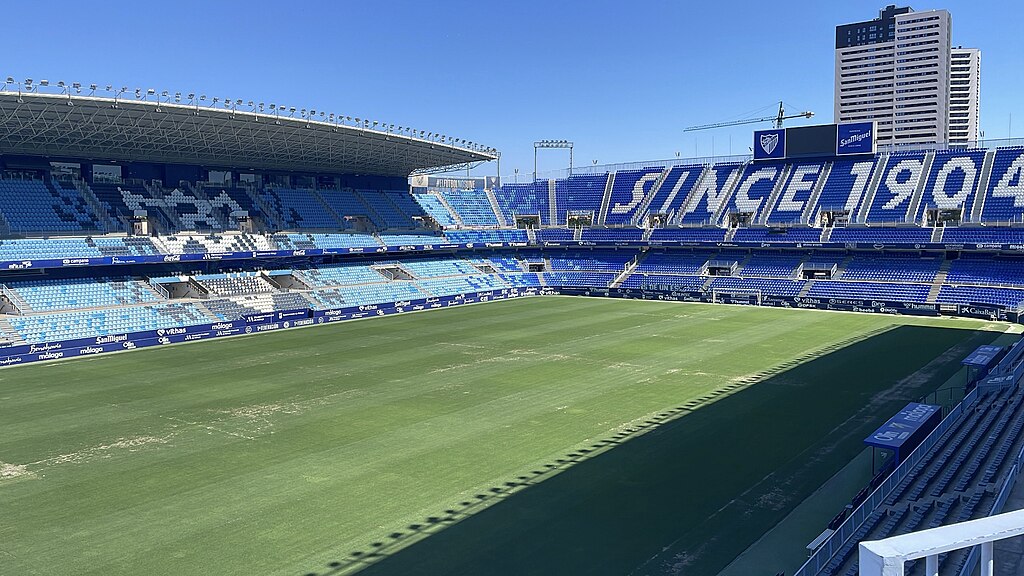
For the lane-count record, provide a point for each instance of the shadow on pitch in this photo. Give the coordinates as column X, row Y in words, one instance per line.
column 659, row 495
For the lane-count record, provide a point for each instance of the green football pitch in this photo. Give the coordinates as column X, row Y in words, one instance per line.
column 547, row 435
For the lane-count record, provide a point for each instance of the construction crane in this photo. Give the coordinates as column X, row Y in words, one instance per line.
column 777, row 119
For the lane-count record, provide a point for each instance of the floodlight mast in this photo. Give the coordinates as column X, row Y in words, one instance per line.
column 551, row 144
column 777, row 120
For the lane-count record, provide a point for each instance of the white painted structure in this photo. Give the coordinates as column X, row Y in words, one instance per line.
column 888, row 557
column 895, row 70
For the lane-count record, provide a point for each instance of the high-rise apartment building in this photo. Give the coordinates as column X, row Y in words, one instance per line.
column 895, row 70
column 964, row 95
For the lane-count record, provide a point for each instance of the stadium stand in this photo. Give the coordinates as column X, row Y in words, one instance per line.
column 796, row 193
column 53, row 295
column 1004, row 198
column 952, row 182
column 435, row 208
column 235, row 284
column 472, row 206
column 950, row 483
column 628, row 190
column 298, row 208
column 30, row 205
column 669, row 223
column 97, row 323
column 579, row 195
column 899, row 181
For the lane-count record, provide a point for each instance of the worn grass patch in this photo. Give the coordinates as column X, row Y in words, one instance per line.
column 536, row 436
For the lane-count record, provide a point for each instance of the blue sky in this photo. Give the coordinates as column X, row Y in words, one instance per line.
column 620, row 79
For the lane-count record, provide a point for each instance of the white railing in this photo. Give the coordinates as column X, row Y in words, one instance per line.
column 997, row 507
column 853, row 522
column 160, row 290
column 888, row 557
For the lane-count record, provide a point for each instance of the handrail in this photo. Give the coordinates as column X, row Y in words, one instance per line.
column 821, row 557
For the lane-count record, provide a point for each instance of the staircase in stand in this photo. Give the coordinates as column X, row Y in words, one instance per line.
column 201, row 306
column 727, row 191
column 371, row 212
column 940, row 279
column 98, row 211
column 730, row 233
column 330, row 210
column 531, row 235
column 842, row 268
column 577, row 233
column 986, row 177
column 552, row 204
column 606, row 199
column 676, row 216
column 826, row 234
column 448, row 207
column 869, row 194
column 274, row 219
column 647, row 234
column 773, row 198
column 937, row 234
column 169, row 214
column 8, row 330
column 15, row 300
column 644, row 207
column 742, row 264
column 629, row 268
column 812, row 202
column 496, row 208
column 915, row 200
column 807, row 288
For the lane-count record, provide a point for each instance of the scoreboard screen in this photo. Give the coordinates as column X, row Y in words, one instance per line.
column 815, row 141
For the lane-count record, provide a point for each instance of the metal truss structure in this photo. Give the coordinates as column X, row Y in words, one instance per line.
column 77, row 128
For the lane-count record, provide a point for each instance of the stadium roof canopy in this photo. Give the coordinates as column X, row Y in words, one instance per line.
column 126, row 129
